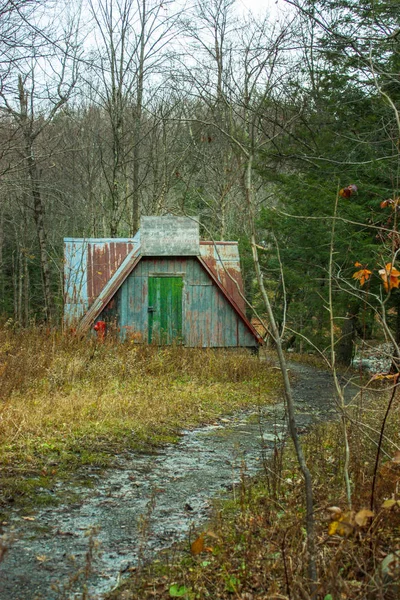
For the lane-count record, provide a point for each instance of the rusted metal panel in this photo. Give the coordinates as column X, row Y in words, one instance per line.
column 198, row 321
column 210, row 319
column 104, row 258
column 109, row 291
column 222, row 258
column 230, row 300
column 89, row 263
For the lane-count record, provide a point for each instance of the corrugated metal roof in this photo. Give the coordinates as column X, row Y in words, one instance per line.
column 222, row 258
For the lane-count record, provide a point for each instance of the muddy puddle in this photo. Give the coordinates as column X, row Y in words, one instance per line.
column 148, row 502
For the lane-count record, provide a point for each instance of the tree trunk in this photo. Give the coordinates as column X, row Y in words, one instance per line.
column 15, row 285
column 20, row 285
column 2, row 276
column 345, row 346
column 38, row 206
column 138, row 125
column 135, row 177
column 26, row 291
column 38, row 215
column 310, row 521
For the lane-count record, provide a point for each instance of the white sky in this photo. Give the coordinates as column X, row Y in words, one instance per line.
column 274, row 7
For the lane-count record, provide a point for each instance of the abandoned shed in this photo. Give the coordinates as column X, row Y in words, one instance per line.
column 162, row 286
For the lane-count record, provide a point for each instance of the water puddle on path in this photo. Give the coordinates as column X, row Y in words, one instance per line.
column 148, row 502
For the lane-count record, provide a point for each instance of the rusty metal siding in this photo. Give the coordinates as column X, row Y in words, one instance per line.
column 89, row 264
column 208, row 318
column 222, row 258
column 107, row 295
column 104, row 258
column 75, row 279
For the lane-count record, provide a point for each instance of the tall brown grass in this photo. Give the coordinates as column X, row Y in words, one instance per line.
column 44, row 357
column 62, row 395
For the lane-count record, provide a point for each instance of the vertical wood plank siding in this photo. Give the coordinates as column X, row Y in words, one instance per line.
column 208, row 318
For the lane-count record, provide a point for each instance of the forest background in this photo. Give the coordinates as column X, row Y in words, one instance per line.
column 114, row 109
column 281, row 132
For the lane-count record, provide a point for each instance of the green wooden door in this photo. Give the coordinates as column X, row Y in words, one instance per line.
column 165, row 310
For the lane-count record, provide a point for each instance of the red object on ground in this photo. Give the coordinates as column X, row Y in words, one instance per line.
column 100, row 328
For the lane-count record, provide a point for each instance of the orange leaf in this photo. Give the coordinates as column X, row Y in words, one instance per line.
column 198, row 545
column 362, row 275
column 392, row 202
column 390, row 277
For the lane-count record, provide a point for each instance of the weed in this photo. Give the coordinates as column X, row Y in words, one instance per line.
column 260, row 547
column 68, row 403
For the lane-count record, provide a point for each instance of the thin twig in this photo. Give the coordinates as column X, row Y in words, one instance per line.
column 378, row 452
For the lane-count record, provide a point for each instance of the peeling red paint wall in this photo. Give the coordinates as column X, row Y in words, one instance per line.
column 103, row 260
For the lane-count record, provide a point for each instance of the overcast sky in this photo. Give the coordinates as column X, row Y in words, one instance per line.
column 259, row 6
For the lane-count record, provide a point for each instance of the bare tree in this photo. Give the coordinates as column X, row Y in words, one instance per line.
column 252, row 120
column 38, row 103
column 15, row 17
column 132, row 41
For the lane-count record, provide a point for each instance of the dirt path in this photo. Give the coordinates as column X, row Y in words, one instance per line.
column 147, row 502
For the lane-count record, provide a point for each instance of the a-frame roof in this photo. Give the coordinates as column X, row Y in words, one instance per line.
column 123, row 272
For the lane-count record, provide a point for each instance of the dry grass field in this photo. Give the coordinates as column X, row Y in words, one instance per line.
column 66, row 402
